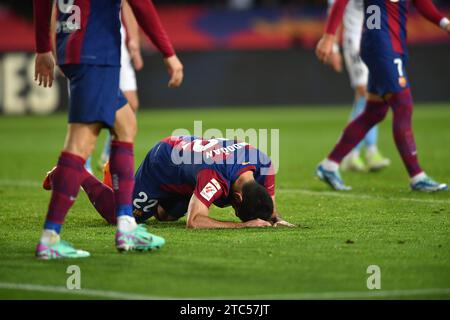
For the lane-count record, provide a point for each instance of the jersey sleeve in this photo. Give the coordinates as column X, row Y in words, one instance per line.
column 210, row 186
column 429, row 11
column 42, row 10
column 148, row 18
column 269, row 182
column 336, row 14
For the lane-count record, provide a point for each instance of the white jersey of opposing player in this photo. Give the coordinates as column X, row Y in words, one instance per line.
column 353, row 22
column 127, row 74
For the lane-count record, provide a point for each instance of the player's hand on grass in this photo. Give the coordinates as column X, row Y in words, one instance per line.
column 325, row 47
column 283, row 223
column 175, row 69
column 257, row 223
column 135, row 53
column 44, row 69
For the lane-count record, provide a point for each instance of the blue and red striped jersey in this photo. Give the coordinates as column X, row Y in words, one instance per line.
column 385, row 22
column 88, row 31
column 392, row 35
column 186, row 165
column 91, row 38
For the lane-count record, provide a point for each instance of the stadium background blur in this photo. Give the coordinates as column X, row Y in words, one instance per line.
column 245, row 64
column 235, row 52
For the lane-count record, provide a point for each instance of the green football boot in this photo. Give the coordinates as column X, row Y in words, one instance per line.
column 139, row 239
column 376, row 161
column 59, row 250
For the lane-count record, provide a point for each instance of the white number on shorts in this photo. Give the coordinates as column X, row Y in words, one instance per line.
column 142, row 200
column 399, row 64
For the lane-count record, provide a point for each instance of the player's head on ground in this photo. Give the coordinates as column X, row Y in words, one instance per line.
column 253, row 202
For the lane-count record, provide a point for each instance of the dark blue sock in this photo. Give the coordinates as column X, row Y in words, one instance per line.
column 48, row 225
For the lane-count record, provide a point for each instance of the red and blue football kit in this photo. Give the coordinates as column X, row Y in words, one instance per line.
column 383, row 49
column 88, row 45
column 178, row 167
column 384, row 39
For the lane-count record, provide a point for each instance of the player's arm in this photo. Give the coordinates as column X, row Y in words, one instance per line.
column 198, row 218
column 148, row 19
column 133, row 44
column 431, row 13
column 44, row 63
column 335, row 58
column 325, row 46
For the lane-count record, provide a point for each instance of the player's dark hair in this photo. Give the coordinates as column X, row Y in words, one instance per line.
column 256, row 202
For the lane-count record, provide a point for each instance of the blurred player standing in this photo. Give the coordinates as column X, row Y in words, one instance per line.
column 88, row 53
column 383, row 49
column 358, row 73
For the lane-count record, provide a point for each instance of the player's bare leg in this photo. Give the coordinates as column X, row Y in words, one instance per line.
column 353, row 161
column 133, row 101
column 65, row 184
column 129, row 236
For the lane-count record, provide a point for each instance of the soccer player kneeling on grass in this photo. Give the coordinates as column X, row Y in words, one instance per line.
column 186, row 175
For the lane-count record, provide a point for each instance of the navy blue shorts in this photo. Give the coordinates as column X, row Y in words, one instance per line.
column 387, row 72
column 148, row 193
column 94, row 94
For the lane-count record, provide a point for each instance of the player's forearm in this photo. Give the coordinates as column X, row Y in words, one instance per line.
column 335, row 17
column 431, row 13
column 130, row 22
column 148, row 19
column 203, row 222
column 42, row 18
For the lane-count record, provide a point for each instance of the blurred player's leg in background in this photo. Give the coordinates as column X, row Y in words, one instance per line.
column 128, row 83
column 101, row 196
column 358, row 74
column 402, row 107
column 374, row 112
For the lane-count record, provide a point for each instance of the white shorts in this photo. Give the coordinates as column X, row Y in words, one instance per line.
column 127, row 74
column 353, row 23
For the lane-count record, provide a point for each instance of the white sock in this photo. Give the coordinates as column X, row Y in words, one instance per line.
column 371, row 150
column 418, row 177
column 49, row 237
column 126, row 223
column 330, row 165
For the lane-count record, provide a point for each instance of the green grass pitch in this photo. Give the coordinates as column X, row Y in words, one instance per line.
column 381, row 222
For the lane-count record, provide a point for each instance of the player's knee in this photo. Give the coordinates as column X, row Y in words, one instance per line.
column 381, row 114
column 377, row 114
column 134, row 104
column 80, row 148
column 81, row 140
column 360, row 91
column 128, row 133
column 126, row 129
